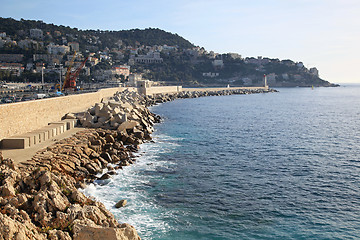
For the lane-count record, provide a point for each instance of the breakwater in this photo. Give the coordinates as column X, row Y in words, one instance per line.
column 42, row 194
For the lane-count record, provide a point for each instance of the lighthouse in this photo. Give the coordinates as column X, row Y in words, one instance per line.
column 265, row 82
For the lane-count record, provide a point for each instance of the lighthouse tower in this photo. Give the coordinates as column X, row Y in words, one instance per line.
column 265, row 82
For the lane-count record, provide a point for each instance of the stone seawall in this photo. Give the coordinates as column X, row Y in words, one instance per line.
column 223, row 89
column 22, row 117
column 160, row 90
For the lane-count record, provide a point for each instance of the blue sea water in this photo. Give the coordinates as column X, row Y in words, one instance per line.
column 264, row 166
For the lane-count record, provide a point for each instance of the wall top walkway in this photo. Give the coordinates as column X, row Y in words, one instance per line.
column 221, row 89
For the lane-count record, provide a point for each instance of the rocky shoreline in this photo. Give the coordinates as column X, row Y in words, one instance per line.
column 40, row 198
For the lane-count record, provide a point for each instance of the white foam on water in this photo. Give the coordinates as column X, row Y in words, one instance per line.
column 133, row 183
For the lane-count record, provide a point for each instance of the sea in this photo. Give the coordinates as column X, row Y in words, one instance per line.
column 280, row 165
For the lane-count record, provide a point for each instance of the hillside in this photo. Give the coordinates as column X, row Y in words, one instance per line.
column 156, row 54
column 148, row 37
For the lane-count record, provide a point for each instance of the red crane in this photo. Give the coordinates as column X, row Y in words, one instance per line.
column 70, row 78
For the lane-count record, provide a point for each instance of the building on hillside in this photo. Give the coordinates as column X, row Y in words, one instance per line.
column 314, row 71
column 14, row 68
column 192, row 52
column 64, row 40
column 210, row 74
column 78, row 57
column 10, row 58
column 212, row 55
column 57, row 49
column 36, row 33
column 167, row 48
column 287, row 62
column 218, row 63
column 74, row 46
column 102, row 75
column 300, row 65
column 122, row 70
column 258, row 61
column 48, row 58
column 235, row 55
column 25, row 43
column 93, row 61
column 150, row 57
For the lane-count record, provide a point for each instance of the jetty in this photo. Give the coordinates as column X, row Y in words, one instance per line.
column 62, row 144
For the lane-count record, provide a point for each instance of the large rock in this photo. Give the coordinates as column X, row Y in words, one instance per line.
column 20, row 230
column 125, row 232
column 58, row 235
column 127, row 125
column 7, row 190
column 58, row 200
column 121, row 203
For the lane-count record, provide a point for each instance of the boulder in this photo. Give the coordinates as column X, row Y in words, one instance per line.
column 69, row 116
column 14, row 229
column 121, row 203
column 7, row 190
column 105, row 176
column 58, row 235
column 109, row 138
column 58, row 200
column 127, row 125
column 124, row 232
column 106, row 156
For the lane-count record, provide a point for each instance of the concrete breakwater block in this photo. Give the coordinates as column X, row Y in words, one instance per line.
column 70, row 123
column 61, row 127
column 15, row 142
column 34, row 138
column 21, row 141
column 42, row 135
column 51, row 129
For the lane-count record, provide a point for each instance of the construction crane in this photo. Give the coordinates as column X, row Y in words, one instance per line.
column 70, row 77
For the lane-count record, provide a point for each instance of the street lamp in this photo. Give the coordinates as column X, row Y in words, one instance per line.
column 60, row 76
column 42, row 75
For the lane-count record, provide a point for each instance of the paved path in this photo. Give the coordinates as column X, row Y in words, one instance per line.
column 22, row 155
column 221, row 89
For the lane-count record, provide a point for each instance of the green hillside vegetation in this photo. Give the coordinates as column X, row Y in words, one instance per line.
column 148, row 37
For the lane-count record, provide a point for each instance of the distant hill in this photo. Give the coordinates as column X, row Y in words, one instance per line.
column 147, row 37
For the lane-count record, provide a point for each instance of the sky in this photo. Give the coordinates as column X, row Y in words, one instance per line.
column 320, row 33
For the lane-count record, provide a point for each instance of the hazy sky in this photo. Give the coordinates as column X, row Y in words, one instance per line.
column 320, row 33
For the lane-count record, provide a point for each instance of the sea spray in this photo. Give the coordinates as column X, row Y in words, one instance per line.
column 134, row 183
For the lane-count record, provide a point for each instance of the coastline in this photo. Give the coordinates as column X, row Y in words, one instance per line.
column 44, row 192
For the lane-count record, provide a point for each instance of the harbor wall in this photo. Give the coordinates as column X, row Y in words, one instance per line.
column 222, row 89
column 22, row 117
column 160, row 89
